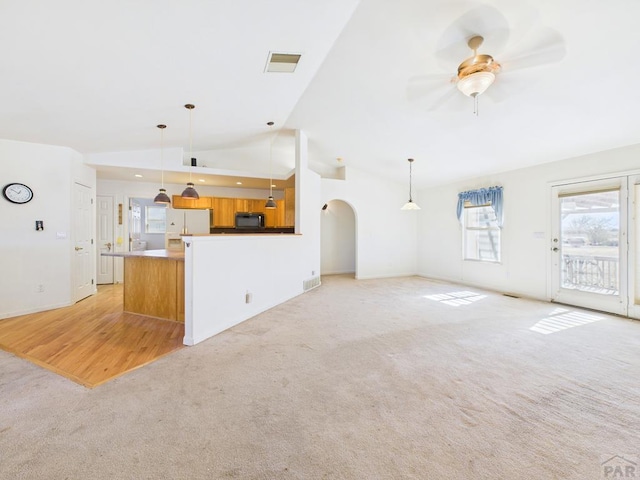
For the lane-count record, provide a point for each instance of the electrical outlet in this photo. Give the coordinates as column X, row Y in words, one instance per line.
column 313, row 272
column 40, row 288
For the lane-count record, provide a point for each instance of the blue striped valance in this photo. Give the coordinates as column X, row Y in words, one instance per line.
column 482, row 196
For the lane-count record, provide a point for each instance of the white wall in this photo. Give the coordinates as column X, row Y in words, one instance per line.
column 338, row 239
column 30, row 258
column 526, row 239
column 221, row 269
column 254, row 160
column 386, row 237
column 143, row 159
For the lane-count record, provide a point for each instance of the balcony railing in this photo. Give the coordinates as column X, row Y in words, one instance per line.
column 591, row 273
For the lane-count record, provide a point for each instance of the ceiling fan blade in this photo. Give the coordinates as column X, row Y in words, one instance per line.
column 543, row 46
column 506, row 87
column 483, row 20
column 430, row 91
column 423, row 85
column 450, row 98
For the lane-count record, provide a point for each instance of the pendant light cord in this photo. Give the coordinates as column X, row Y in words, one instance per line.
column 410, row 172
column 162, row 155
column 271, row 159
column 190, row 143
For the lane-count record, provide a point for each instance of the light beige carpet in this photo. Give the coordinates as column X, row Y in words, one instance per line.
column 353, row 380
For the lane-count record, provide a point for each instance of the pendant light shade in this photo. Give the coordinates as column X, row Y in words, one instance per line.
column 410, row 205
column 190, row 191
column 162, row 196
column 270, row 201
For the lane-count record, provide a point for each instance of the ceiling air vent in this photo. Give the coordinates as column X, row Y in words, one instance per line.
column 282, row 62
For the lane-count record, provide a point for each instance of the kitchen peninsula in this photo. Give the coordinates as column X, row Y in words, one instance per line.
column 154, row 283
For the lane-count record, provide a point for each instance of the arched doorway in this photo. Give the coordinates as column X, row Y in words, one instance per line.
column 338, row 239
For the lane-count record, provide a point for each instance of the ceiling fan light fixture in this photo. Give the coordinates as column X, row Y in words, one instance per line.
column 476, row 83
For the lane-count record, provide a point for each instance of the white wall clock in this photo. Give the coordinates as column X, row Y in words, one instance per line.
column 17, row 193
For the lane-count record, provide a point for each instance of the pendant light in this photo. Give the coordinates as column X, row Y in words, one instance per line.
column 190, row 192
column 162, row 197
column 410, row 205
column 270, row 201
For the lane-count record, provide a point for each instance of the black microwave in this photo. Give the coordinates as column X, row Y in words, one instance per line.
column 249, row 220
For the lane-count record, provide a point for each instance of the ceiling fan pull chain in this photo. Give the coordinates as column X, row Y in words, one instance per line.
column 475, row 105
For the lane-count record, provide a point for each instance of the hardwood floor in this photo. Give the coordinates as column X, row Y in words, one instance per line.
column 92, row 341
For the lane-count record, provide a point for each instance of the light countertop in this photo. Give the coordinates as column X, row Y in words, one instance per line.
column 168, row 254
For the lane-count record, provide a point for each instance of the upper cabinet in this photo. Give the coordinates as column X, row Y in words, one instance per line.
column 223, row 210
column 179, row 202
column 274, row 217
column 289, row 207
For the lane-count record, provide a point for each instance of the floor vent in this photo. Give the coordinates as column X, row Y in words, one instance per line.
column 310, row 284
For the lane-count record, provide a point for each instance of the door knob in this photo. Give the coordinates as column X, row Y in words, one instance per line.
column 78, row 248
column 108, row 245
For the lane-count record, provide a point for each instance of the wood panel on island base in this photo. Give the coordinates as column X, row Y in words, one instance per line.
column 154, row 287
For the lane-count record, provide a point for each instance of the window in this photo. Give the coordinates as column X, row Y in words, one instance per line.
column 155, row 219
column 481, row 233
column 480, row 213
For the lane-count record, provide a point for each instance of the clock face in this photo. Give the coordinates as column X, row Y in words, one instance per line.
column 17, row 193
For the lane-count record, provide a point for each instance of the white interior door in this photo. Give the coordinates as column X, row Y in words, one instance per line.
column 589, row 245
column 83, row 243
column 105, row 240
column 135, row 222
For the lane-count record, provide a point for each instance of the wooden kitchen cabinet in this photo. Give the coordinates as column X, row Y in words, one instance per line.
column 274, row 217
column 242, row 205
column 224, row 212
column 225, row 209
column 179, row 202
column 289, row 207
column 257, row 206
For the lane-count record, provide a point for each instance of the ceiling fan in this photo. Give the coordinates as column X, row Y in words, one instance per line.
column 476, row 73
column 535, row 44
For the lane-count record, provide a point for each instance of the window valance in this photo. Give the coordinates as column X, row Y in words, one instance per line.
column 483, row 196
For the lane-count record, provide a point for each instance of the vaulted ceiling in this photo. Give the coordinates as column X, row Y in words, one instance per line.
column 373, row 86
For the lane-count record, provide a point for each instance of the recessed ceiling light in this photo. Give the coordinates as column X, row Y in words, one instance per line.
column 282, row 62
column 138, row 175
column 238, row 183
